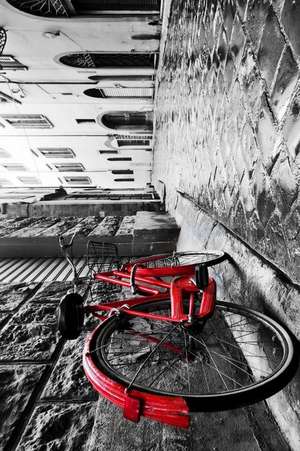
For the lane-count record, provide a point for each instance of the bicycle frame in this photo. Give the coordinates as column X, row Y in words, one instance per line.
column 124, row 357
column 156, row 284
column 150, row 282
column 169, row 410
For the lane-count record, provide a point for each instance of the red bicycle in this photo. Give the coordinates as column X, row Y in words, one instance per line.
column 171, row 349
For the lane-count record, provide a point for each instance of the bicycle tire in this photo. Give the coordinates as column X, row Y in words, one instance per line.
column 129, row 358
column 70, row 316
column 184, row 258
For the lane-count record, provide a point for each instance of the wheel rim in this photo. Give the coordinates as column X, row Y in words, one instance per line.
column 209, row 258
column 210, row 366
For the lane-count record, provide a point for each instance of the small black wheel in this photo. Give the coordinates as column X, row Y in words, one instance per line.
column 70, row 316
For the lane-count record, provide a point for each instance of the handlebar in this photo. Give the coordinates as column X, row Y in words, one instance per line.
column 66, row 248
column 62, row 243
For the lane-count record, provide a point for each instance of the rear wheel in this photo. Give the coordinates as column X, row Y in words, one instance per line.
column 207, row 257
column 175, row 264
column 237, row 357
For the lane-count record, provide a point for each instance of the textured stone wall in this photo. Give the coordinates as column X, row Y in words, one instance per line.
column 245, row 279
column 228, row 119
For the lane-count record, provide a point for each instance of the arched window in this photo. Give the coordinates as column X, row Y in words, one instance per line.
column 99, row 60
column 69, row 8
column 129, row 120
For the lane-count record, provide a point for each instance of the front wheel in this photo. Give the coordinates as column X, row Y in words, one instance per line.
column 238, row 357
column 70, row 316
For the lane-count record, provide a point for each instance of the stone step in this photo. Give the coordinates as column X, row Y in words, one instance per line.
column 135, row 235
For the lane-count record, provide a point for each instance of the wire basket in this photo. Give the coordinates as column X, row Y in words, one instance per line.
column 103, row 257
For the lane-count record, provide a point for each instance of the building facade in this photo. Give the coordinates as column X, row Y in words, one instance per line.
column 76, row 95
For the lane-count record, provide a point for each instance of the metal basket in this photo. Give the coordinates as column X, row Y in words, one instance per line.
column 103, row 257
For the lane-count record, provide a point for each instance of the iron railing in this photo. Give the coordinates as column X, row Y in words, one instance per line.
column 3, row 38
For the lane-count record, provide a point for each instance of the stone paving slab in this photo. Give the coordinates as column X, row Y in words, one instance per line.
column 53, row 406
column 30, row 335
column 133, row 235
column 60, row 227
column 52, row 292
column 8, row 226
column 59, row 427
column 233, row 430
column 68, row 381
column 17, row 383
column 151, row 226
column 85, row 226
column 126, row 229
column 36, row 228
column 12, row 296
column 107, row 228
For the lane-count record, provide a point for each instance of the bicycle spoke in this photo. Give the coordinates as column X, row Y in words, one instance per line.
column 232, row 352
column 186, row 359
column 220, row 373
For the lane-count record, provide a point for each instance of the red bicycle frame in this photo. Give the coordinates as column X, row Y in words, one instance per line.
column 166, row 409
column 149, row 281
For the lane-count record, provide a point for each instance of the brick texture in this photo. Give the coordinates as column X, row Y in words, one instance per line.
column 228, row 119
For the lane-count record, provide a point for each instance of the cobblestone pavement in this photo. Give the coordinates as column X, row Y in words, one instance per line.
column 228, row 119
column 47, row 403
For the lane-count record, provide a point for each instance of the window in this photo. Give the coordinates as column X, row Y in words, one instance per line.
column 122, row 171
column 107, row 151
column 128, row 120
column 119, row 159
column 78, row 180
column 4, row 153
column 119, row 92
column 99, row 60
column 69, row 167
column 57, row 152
column 8, row 62
column 133, row 142
column 27, row 120
column 14, row 167
column 30, row 180
column 86, row 121
column 120, row 78
column 123, row 180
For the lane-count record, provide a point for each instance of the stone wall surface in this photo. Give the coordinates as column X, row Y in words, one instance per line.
column 227, row 153
column 228, row 119
column 47, row 403
column 245, row 279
